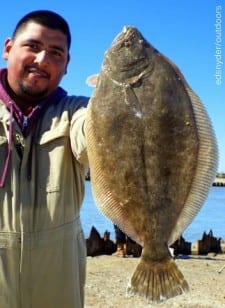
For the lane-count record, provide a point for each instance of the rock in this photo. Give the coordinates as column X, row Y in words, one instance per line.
column 132, row 248
column 95, row 244
column 207, row 244
column 109, row 245
column 182, row 247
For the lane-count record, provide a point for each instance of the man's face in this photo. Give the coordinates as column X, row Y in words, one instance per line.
column 37, row 60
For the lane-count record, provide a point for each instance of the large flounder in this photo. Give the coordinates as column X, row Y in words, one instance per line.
column 153, row 156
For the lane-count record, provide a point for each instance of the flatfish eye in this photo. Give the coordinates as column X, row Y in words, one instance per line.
column 127, row 43
column 131, row 41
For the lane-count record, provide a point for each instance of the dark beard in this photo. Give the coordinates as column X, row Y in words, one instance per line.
column 31, row 94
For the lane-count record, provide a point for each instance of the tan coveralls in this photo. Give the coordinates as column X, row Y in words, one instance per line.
column 42, row 248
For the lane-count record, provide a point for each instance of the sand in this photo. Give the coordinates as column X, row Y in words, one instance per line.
column 108, row 276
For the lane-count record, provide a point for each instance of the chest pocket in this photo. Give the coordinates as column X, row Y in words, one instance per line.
column 52, row 150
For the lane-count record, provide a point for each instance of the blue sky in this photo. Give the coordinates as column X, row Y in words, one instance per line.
column 184, row 31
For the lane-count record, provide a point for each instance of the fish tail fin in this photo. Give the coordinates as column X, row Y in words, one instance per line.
column 157, row 281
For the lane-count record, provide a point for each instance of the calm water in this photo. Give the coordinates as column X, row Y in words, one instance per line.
column 210, row 217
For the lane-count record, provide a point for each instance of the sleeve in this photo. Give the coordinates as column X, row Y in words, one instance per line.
column 77, row 136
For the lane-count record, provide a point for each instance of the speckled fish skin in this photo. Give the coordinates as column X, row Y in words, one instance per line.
column 153, row 156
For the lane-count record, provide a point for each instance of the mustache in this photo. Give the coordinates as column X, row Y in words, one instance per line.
column 38, row 70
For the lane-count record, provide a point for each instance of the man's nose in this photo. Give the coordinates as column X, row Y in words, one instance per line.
column 42, row 57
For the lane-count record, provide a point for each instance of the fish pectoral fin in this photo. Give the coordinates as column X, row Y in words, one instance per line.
column 92, row 80
column 157, row 281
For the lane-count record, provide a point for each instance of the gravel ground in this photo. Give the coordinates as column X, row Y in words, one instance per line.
column 108, row 276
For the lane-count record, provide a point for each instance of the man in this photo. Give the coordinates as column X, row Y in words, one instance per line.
column 42, row 162
column 121, row 246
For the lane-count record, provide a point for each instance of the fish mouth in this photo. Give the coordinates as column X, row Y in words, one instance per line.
column 128, row 52
column 141, row 62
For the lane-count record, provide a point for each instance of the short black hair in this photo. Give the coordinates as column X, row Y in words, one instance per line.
column 45, row 18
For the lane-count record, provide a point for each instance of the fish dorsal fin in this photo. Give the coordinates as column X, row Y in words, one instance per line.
column 206, row 167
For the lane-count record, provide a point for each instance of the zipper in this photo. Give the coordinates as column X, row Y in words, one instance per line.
column 25, row 122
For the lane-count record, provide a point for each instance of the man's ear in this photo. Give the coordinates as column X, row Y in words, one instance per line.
column 7, row 46
column 68, row 60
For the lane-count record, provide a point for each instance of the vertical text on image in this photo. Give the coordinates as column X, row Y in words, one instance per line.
column 218, row 45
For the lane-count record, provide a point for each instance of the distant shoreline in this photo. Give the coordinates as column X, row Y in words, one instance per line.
column 219, row 182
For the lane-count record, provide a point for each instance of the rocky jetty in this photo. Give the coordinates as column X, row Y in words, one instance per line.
column 103, row 245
